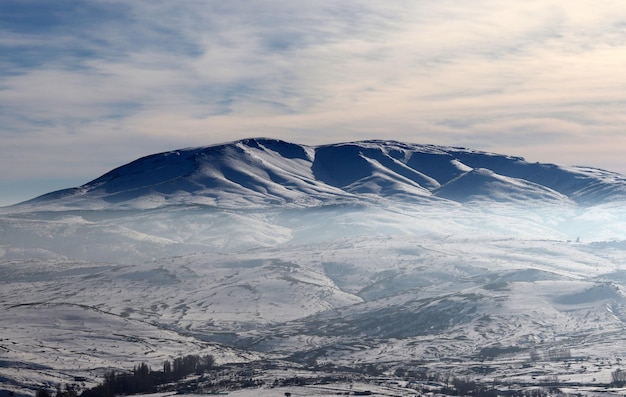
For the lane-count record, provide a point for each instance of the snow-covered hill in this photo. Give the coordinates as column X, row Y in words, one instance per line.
column 368, row 253
column 265, row 172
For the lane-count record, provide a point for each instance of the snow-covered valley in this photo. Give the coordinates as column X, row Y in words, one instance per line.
column 402, row 257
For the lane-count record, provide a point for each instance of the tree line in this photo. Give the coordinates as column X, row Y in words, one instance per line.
column 143, row 379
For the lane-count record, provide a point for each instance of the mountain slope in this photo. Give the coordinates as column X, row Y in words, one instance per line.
column 481, row 183
column 265, row 172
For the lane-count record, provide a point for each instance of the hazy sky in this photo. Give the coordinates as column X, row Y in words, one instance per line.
column 86, row 86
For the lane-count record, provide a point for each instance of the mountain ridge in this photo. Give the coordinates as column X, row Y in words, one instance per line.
column 260, row 172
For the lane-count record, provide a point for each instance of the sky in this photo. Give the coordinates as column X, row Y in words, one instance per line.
column 87, row 86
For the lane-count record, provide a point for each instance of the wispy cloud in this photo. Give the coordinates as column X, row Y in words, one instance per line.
column 121, row 79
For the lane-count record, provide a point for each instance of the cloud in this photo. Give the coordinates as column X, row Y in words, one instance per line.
column 542, row 79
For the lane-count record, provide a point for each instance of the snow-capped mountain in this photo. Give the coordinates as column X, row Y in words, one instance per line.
column 267, row 172
column 379, row 253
